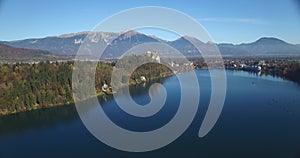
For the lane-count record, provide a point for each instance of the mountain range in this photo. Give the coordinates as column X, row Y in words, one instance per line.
column 118, row 43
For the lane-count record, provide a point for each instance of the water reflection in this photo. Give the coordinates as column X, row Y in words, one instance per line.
column 40, row 118
column 143, row 88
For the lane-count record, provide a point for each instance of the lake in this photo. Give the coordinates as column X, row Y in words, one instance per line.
column 260, row 118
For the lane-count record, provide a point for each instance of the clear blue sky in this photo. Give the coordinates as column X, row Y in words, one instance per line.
column 228, row 21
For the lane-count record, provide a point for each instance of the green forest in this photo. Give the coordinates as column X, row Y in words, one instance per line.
column 25, row 86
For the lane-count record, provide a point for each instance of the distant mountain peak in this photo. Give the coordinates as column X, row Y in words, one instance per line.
column 70, row 35
column 186, row 37
column 191, row 38
column 129, row 33
column 269, row 40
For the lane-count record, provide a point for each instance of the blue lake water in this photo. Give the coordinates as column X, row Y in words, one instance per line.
column 260, row 118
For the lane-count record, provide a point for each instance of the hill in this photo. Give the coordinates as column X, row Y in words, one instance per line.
column 12, row 54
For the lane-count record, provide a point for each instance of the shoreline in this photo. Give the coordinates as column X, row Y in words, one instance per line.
column 101, row 94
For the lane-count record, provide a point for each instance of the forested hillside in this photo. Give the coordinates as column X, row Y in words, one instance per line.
column 26, row 86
